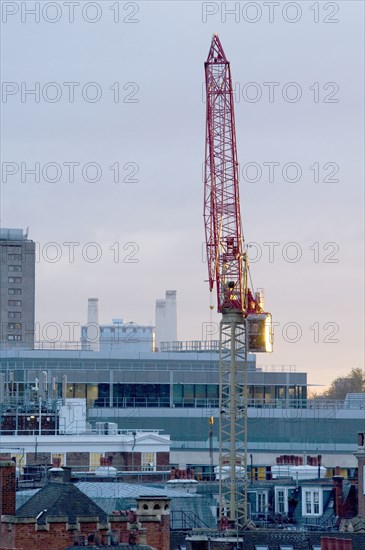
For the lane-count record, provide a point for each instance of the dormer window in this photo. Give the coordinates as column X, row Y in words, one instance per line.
column 281, row 499
column 312, row 501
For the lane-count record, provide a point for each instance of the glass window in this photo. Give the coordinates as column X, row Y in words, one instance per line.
column 92, row 393
column 130, row 390
column 178, row 393
column 61, row 456
column 20, row 461
column 212, row 391
column 15, row 291
column 70, row 390
column 14, row 326
column 14, row 314
column 118, row 390
column 14, row 337
column 316, row 502
column 165, row 391
column 280, row 499
column 80, row 391
column 262, row 504
column 103, row 390
column 15, row 268
column 308, row 502
column 188, row 392
column 259, row 392
column 95, row 461
column 312, row 502
column 141, row 391
column 148, row 461
column 200, row 391
column 269, row 392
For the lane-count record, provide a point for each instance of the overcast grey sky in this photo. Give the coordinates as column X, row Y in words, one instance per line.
column 134, row 101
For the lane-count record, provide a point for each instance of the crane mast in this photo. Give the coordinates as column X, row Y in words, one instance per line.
column 244, row 326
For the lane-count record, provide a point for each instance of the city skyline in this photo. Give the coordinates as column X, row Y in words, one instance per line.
column 298, row 101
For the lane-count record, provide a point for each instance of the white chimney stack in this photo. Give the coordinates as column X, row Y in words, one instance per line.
column 93, row 330
column 171, row 316
column 166, row 319
column 160, row 322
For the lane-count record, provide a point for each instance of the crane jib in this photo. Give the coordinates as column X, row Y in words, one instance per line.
column 227, row 261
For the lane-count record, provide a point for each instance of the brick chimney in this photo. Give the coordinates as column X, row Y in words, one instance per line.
column 153, row 513
column 338, row 488
column 7, row 487
column 360, row 455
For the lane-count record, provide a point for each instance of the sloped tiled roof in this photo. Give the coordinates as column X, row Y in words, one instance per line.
column 60, row 499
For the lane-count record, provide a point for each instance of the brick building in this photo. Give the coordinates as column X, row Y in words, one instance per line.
column 60, row 517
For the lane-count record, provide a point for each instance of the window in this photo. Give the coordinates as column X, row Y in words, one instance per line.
column 60, row 456
column 14, row 337
column 16, row 303
column 262, row 502
column 281, row 499
column 15, row 291
column 15, row 268
column 14, row 326
column 14, row 256
column 280, row 502
column 14, row 314
column 19, row 461
column 148, row 462
column 95, row 461
column 312, row 504
column 14, row 280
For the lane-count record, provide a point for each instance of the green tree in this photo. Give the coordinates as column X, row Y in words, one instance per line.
column 352, row 383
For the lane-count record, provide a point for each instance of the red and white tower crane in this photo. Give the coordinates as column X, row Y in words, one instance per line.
column 244, row 326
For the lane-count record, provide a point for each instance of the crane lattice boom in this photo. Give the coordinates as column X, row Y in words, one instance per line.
column 221, row 201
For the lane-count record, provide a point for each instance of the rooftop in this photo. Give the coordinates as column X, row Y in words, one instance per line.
column 7, row 234
column 54, row 499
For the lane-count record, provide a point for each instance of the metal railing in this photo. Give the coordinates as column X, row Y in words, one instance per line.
column 256, row 403
column 132, row 402
column 20, row 405
column 190, row 345
column 163, row 402
column 185, row 521
column 277, row 368
column 77, row 432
